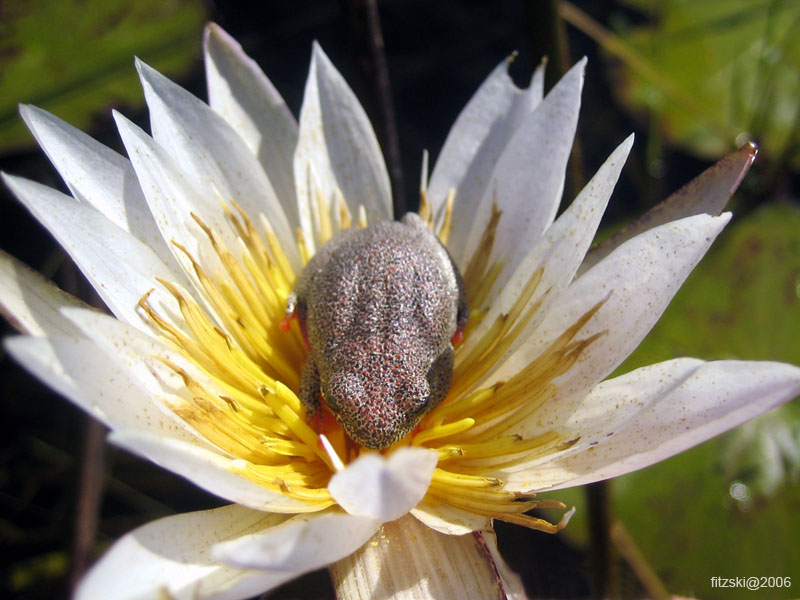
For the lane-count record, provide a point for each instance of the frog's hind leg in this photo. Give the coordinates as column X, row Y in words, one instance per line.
column 318, row 415
column 310, row 392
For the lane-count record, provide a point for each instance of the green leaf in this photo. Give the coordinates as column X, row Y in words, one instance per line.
column 732, row 68
column 734, row 500
column 729, row 507
column 74, row 58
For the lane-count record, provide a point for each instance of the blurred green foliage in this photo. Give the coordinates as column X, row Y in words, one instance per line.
column 74, row 57
column 731, row 506
column 725, row 69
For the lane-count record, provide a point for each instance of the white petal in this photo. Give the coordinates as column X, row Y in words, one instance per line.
column 589, row 419
column 558, row 253
column 528, row 179
column 714, row 398
column 240, row 92
column 211, row 155
column 384, row 489
column 636, row 282
column 300, row 544
column 120, row 267
column 449, row 520
column 173, row 200
column 172, row 558
column 708, row 193
column 475, row 142
column 209, row 469
column 338, row 147
column 82, row 372
column 144, row 359
column 97, row 175
column 31, row 303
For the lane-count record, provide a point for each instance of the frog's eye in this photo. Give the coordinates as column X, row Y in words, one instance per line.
column 413, row 396
column 439, row 376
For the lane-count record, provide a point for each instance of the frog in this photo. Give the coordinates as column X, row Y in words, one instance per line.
column 380, row 309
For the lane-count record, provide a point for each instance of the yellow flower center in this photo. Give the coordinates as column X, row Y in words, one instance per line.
column 251, row 410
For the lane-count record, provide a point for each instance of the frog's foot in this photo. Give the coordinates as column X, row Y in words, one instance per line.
column 318, row 416
column 322, row 421
column 458, row 337
column 286, row 323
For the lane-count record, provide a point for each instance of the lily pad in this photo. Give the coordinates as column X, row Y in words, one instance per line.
column 734, row 501
column 729, row 507
column 73, row 57
column 723, row 70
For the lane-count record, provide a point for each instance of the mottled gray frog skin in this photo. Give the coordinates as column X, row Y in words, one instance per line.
column 379, row 307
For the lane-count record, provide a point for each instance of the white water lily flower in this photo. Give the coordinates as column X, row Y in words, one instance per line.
column 194, row 243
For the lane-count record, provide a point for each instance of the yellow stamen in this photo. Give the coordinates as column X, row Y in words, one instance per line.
column 344, row 212
column 476, row 268
column 302, row 247
column 362, row 216
column 444, row 477
column 444, row 232
column 425, row 213
column 443, row 431
column 324, row 218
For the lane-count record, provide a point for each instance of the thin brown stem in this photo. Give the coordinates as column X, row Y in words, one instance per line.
column 89, row 496
column 368, row 47
column 603, row 572
column 91, row 472
column 633, row 556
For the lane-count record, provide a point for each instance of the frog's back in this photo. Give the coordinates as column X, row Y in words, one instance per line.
column 386, row 288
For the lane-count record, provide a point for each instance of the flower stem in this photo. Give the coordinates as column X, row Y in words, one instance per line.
column 405, row 560
column 603, row 573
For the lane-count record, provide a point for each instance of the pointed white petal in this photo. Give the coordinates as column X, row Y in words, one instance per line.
column 240, row 92
column 120, row 267
column 97, row 175
column 82, row 372
column 587, row 419
column 172, row 558
column 528, row 179
column 211, row 155
column 558, row 253
column 715, row 397
column 144, row 358
column 475, row 142
column 384, row 489
column 174, row 200
column 171, row 195
column 449, row 520
column 300, row 544
column 536, row 89
column 337, row 145
column 209, row 469
column 708, row 193
column 408, row 561
column 31, row 303
column 636, row 282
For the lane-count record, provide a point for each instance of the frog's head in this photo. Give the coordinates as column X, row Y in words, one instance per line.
column 381, row 401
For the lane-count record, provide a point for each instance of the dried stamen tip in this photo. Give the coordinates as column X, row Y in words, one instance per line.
column 565, row 519
column 335, row 460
